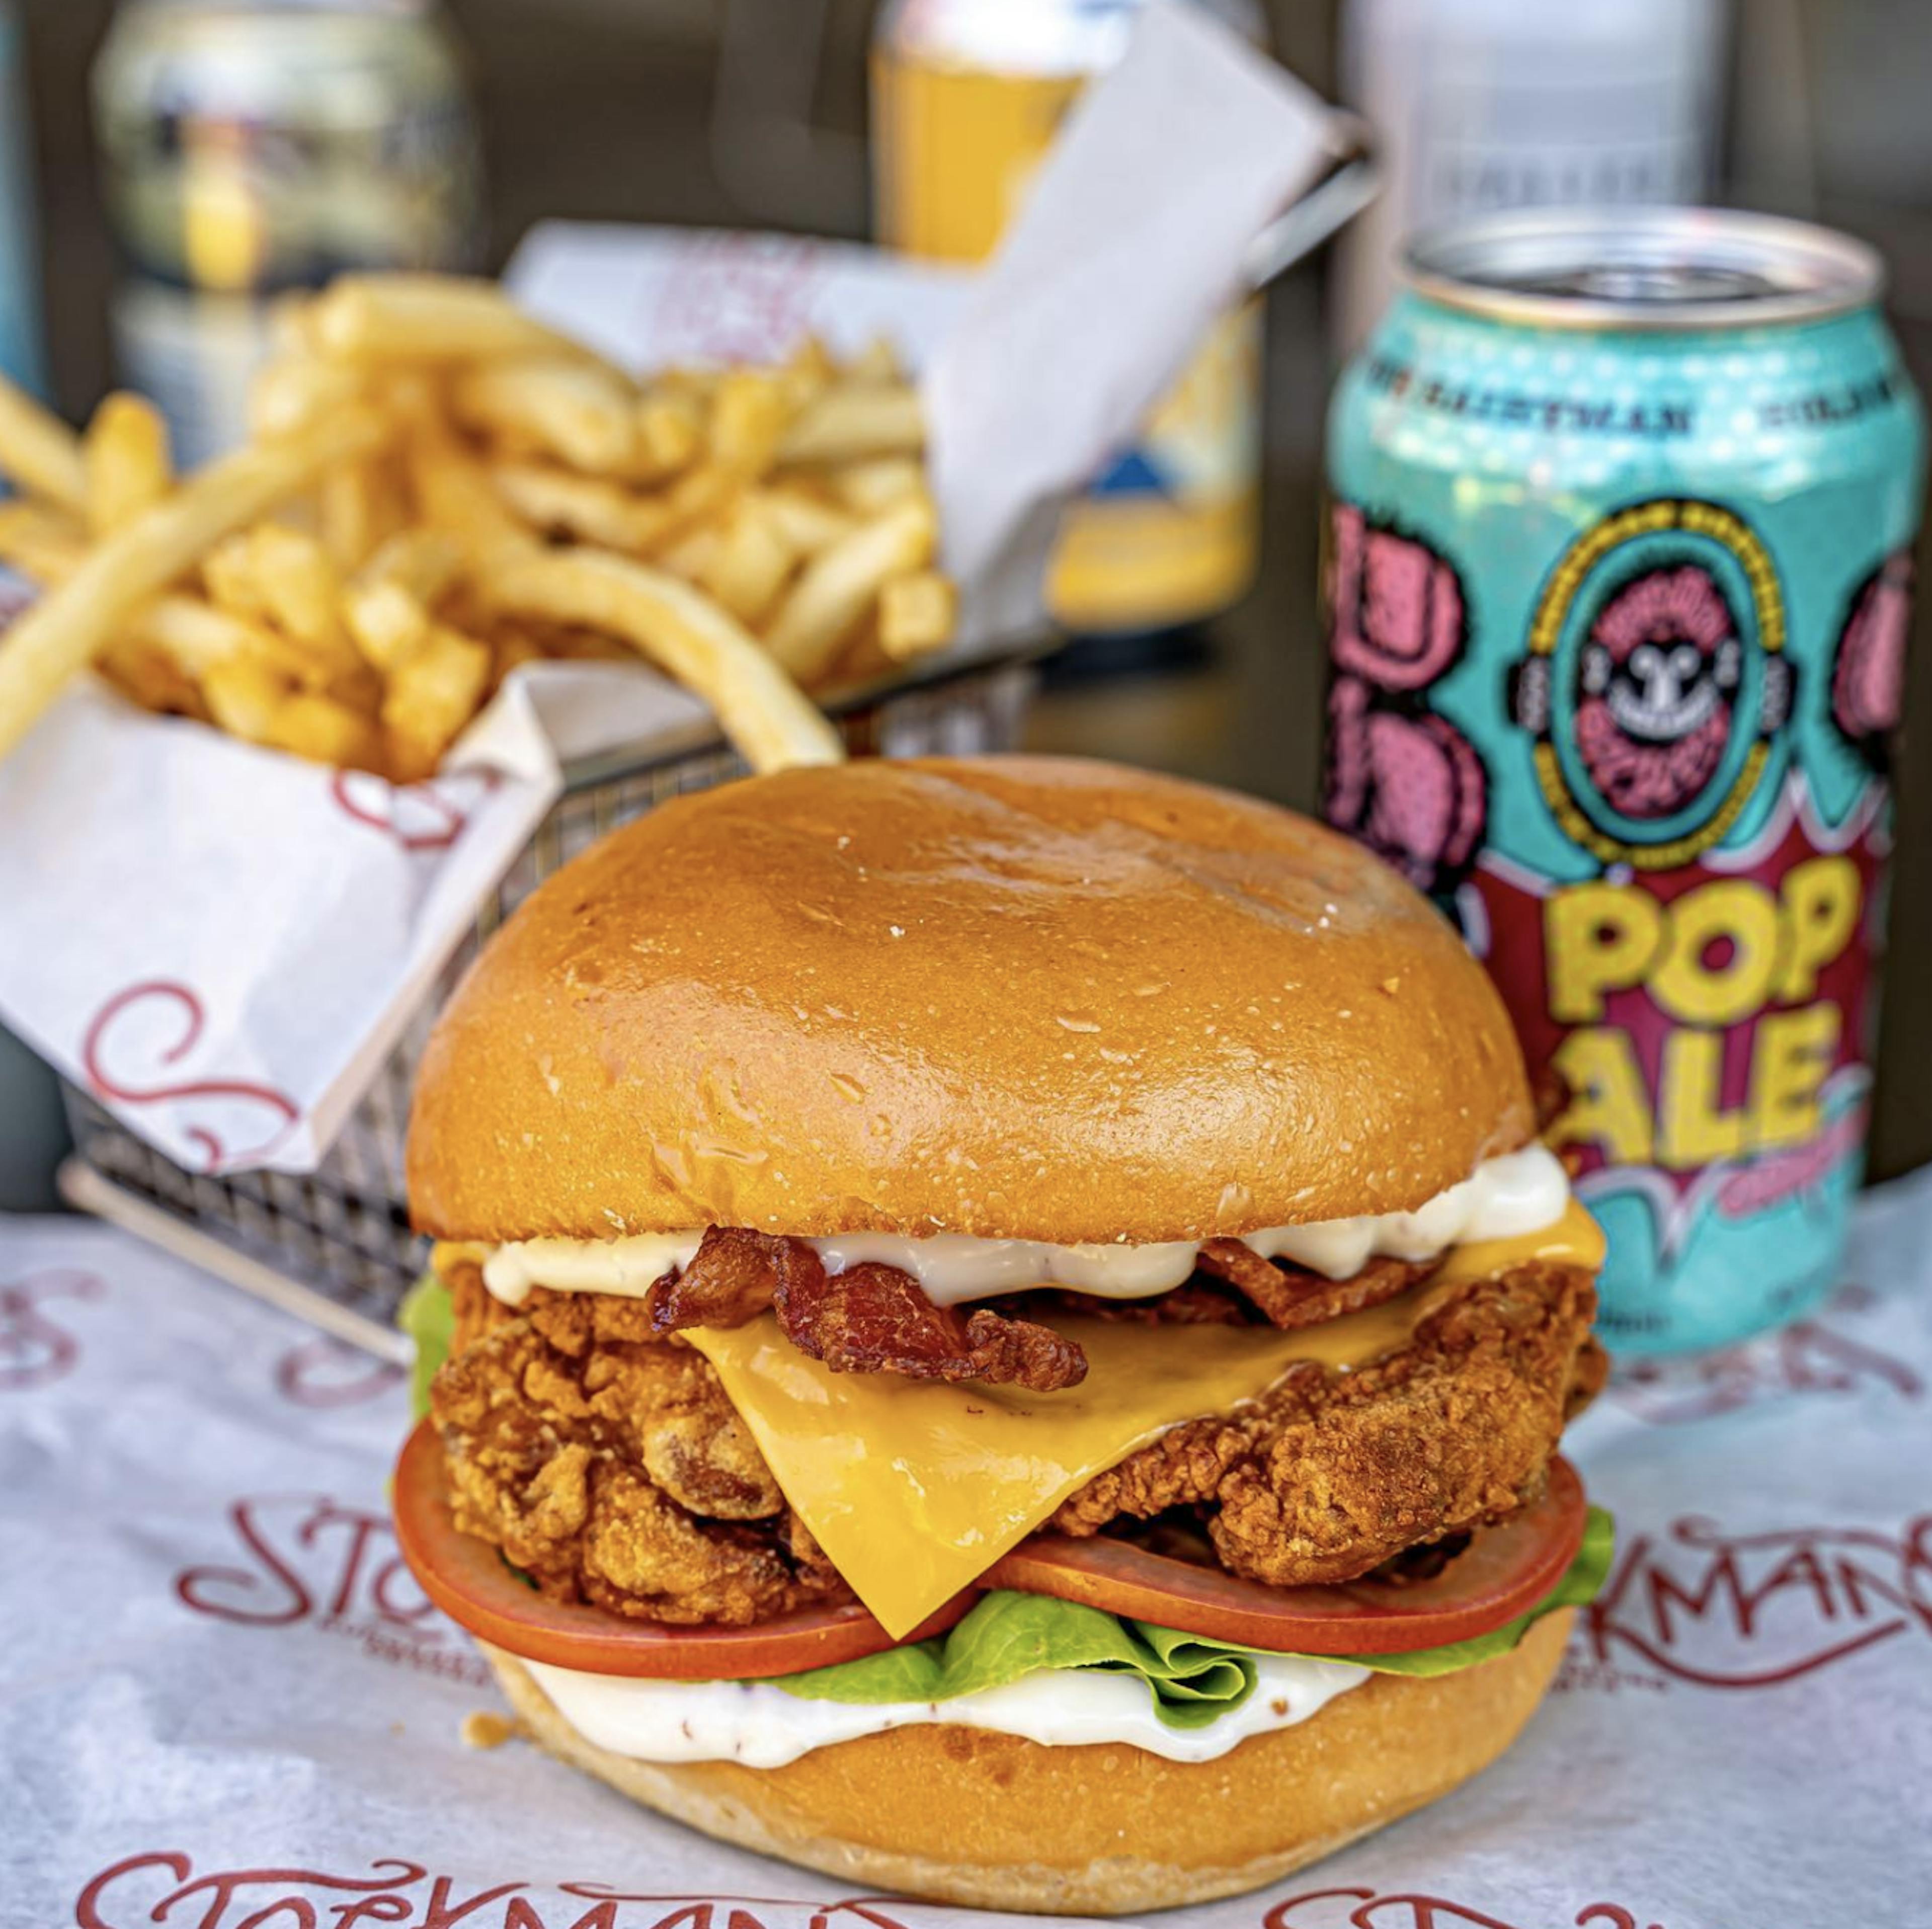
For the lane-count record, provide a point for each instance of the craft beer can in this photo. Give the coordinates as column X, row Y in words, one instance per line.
column 967, row 97
column 249, row 147
column 1617, row 576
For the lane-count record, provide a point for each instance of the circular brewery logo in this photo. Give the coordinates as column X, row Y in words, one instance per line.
column 1656, row 680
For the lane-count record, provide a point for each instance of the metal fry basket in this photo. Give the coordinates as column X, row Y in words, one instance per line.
column 334, row 1245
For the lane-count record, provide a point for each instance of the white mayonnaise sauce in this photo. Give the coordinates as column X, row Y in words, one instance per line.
column 764, row 1727
column 1514, row 1193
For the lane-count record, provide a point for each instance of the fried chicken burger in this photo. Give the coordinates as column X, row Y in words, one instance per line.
column 1006, row 1333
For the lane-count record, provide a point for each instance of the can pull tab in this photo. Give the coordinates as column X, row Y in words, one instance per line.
column 1348, row 188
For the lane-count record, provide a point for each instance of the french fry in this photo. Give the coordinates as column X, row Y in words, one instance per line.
column 810, row 367
column 866, row 488
column 389, row 624
column 358, row 507
column 510, row 648
column 289, row 394
column 583, row 506
column 196, row 637
column 40, row 452
column 444, row 487
column 431, row 695
column 454, row 494
column 193, row 635
column 125, row 454
column 749, row 563
column 698, row 497
column 427, row 563
column 41, row 540
column 693, row 553
column 668, row 434
column 583, row 645
column 876, row 365
column 749, row 414
column 301, row 592
column 325, row 731
column 150, row 677
column 583, row 414
column 63, row 632
column 228, row 575
column 917, row 615
column 426, row 317
column 770, row 720
column 848, row 423
column 244, row 697
column 803, row 521
column 840, row 584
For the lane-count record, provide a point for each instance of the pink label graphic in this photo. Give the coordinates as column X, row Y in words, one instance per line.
column 1659, row 673
column 1402, row 780
column 1868, row 676
column 1395, row 606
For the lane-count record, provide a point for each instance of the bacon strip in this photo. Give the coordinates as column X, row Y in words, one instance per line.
column 1289, row 1297
column 868, row 1319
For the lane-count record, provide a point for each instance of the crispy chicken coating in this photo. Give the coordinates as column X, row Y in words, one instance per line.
column 609, row 1465
column 1332, row 1474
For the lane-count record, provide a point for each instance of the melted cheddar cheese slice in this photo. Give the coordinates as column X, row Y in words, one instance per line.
column 915, row 1488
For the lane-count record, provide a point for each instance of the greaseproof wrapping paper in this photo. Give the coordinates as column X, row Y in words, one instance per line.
column 223, row 943
column 225, row 1705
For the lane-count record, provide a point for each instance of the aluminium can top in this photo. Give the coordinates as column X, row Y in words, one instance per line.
column 1682, row 269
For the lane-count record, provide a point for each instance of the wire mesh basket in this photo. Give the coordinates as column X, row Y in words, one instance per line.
column 334, row 1245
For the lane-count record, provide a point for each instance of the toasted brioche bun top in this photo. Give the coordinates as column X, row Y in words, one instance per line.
column 1012, row 997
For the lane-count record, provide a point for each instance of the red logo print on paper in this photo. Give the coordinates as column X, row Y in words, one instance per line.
column 322, row 1372
column 1363, row 1909
column 419, row 817
column 149, row 1889
column 1818, row 1355
column 738, row 297
column 1731, row 1611
column 1401, row 779
column 152, row 1028
column 306, row 1560
column 36, row 1348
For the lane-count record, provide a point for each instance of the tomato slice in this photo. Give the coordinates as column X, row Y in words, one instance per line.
column 467, row 1578
column 1504, row 1571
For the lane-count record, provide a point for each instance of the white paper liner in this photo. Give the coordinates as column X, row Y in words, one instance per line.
column 221, row 943
column 214, row 1664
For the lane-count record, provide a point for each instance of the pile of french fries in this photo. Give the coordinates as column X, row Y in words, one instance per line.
column 439, row 488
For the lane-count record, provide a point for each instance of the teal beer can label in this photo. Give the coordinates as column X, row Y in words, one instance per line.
column 1618, row 579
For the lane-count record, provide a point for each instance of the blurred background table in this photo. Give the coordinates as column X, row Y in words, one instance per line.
column 650, row 110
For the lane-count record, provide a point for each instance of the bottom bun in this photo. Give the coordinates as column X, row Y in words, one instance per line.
column 961, row 1815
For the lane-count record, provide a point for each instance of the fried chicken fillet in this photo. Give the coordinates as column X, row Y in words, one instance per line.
column 609, row 1465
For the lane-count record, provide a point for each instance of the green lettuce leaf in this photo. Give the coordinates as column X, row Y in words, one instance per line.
column 1193, row 1681
column 428, row 1316
column 1007, row 1636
